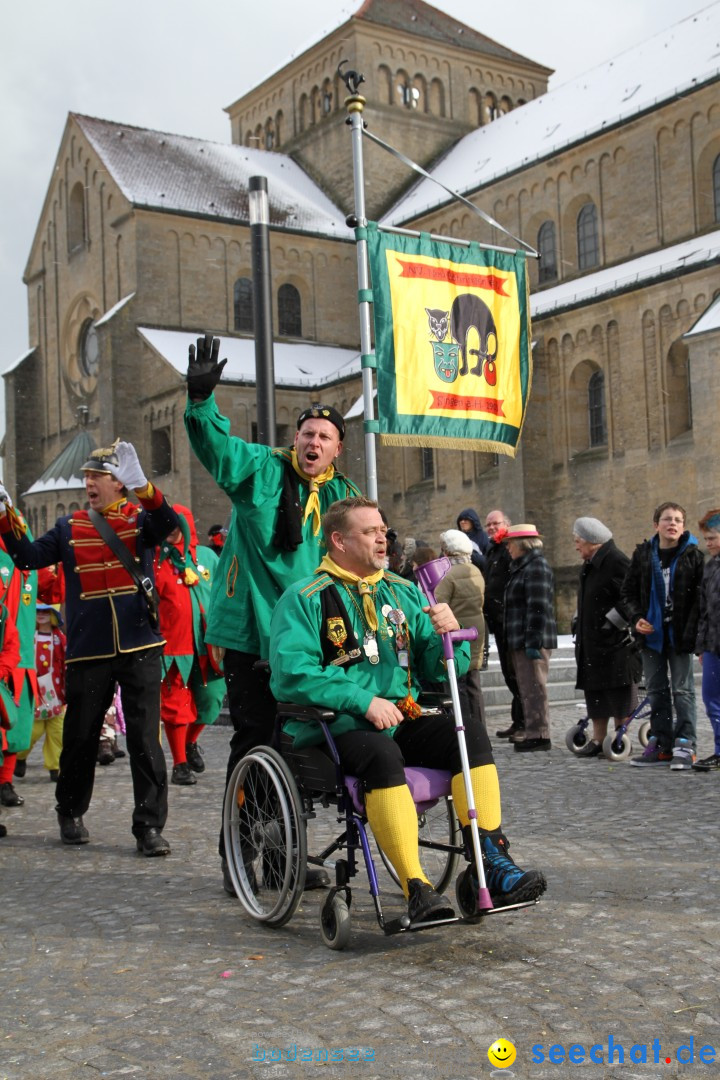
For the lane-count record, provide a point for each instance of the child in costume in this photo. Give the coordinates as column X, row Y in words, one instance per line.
column 192, row 690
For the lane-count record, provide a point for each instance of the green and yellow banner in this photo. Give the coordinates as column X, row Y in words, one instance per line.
column 452, row 342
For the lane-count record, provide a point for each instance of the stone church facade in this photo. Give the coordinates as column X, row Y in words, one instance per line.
column 144, row 241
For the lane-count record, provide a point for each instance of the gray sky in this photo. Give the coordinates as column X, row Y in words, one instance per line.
column 174, row 64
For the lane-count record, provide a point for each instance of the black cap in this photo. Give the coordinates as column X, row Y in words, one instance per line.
column 215, row 529
column 322, row 412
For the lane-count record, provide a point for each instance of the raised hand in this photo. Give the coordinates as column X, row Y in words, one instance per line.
column 204, row 371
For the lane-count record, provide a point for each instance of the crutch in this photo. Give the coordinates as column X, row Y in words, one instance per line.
column 428, row 577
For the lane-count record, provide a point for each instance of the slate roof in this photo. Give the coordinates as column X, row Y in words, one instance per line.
column 417, row 17
column 63, row 472
column 178, row 173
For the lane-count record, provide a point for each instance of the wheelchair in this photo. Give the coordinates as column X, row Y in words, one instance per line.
column 272, row 794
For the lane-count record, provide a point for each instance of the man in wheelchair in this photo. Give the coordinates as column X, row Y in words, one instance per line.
column 359, row 640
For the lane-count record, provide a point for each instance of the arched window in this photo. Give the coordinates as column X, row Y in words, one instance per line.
column 385, row 85
column 716, row 187
column 596, row 409
column 678, row 401
column 289, row 311
column 161, row 451
column 436, row 97
column 243, row 304
column 588, row 241
column 327, row 99
column 304, row 112
column 475, row 107
column 77, row 225
column 406, row 94
column 547, row 251
column 490, row 110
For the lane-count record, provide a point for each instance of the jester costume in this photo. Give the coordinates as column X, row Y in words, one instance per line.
column 339, row 641
column 192, row 688
column 9, row 661
column 18, row 592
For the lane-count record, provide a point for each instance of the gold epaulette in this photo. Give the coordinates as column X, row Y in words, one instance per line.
column 318, row 583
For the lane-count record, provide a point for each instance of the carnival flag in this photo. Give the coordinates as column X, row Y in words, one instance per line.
column 452, row 342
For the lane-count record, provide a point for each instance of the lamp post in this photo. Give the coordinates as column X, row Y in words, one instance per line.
column 262, row 309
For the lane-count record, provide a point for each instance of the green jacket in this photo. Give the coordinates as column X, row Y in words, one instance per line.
column 297, row 656
column 253, row 573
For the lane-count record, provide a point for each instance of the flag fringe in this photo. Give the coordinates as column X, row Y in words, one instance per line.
column 441, row 442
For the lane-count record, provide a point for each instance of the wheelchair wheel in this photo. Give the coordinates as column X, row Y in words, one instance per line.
column 576, row 738
column 644, row 732
column 465, row 894
column 438, row 825
column 265, row 838
column 335, row 922
column 610, row 748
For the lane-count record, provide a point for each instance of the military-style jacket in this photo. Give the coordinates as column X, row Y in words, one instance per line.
column 299, row 665
column 105, row 613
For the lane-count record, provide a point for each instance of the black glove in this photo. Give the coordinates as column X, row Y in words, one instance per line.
column 204, row 371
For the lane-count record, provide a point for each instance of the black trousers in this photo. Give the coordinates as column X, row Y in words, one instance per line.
column 89, row 688
column 252, row 710
column 429, row 742
column 516, row 710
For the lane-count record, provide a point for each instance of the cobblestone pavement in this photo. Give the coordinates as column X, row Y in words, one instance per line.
column 117, row 965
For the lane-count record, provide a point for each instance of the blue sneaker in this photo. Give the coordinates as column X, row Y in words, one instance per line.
column 506, row 882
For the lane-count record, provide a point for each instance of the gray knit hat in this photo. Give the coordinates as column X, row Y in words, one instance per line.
column 456, row 542
column 591, row 530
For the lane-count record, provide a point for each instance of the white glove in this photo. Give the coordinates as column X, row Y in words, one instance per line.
column 128, row 470
column 4, row 498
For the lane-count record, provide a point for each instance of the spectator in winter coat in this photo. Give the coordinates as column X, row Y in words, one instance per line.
column 708, row 639
column 530, row 630
column 660, row 596
column 496, row 573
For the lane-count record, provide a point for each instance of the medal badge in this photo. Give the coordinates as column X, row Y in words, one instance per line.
column 370, row 648
column 337, row 633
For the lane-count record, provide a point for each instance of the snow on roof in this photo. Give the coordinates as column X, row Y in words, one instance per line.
column 114, row 310
column 176, row 172
column 670, row 63
column 708, row 321
column 41, row 487
column 18, row 362
column 697, row 252
column 298, row 365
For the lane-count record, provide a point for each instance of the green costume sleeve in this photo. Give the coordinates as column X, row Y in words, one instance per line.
column 228, row 459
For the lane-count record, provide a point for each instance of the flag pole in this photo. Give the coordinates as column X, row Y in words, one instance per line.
column 355, row 104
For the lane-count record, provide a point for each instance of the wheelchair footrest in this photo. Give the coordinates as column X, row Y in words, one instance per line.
column 501, row 910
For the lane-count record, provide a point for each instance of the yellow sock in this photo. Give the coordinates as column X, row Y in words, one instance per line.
column 486, row 793
column 393, row 819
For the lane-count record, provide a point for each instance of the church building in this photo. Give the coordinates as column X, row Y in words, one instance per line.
column 143, row 242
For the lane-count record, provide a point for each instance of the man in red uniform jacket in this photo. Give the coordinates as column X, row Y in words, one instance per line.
column 110, row 636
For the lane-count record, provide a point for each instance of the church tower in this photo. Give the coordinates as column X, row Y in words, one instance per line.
column 420, row 65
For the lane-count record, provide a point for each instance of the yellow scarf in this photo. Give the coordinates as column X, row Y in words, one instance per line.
column 363, row 585
column 314, row 484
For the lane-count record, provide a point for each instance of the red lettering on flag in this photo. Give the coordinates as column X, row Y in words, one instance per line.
column 455, row 277
column 458, row 403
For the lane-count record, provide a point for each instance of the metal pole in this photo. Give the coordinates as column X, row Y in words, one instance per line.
column 262, row 309
column 355, row 104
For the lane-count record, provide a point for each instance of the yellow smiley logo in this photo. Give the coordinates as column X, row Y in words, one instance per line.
column 501, row 1054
